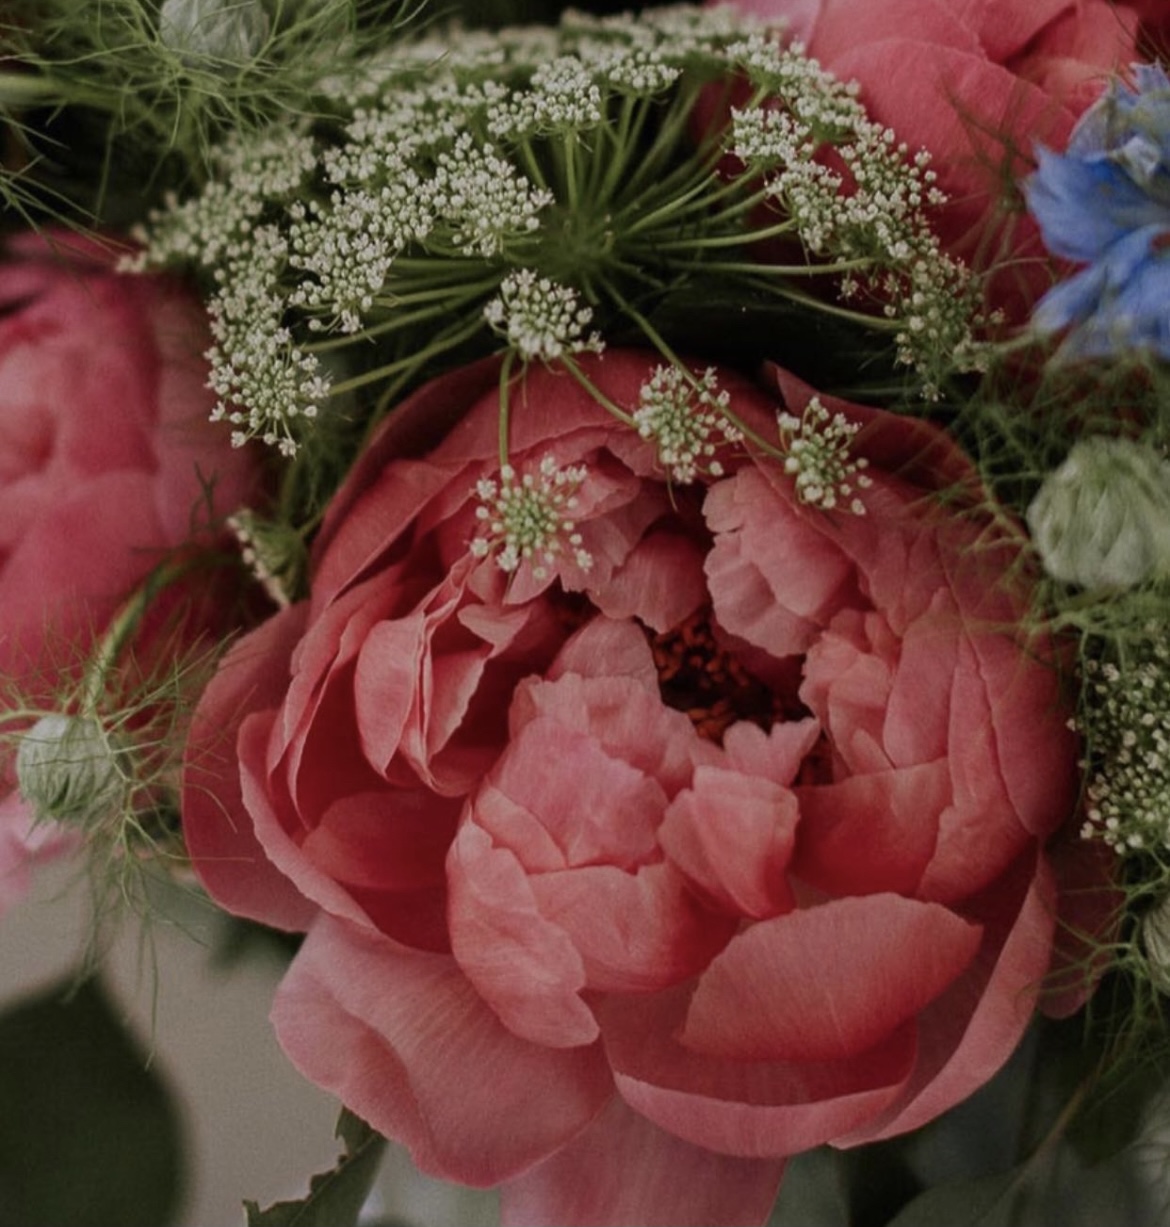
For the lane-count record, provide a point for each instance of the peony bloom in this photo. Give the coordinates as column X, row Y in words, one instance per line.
column 106, row 463
column 645, row 833
column 977, row 83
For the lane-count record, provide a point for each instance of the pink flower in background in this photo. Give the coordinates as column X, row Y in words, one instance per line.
column 106, row 461
column 713, row 830
column 977, row 83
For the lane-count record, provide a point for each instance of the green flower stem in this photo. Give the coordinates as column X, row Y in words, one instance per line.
column 569, row 154
column 660, row 344
column 443, row 309
column 20, row 89
column 623, row 141
column 669, row 210
column 124, row 627
column 670, row 134
column 532, row 164
column 439, row 292
column 778, row 270
column 596, row 393
column 452, row 337
column 875, row 323
column 707, row 175
column 505, row 405
column 779, row 230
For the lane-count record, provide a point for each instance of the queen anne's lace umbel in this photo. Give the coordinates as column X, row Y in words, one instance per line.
column 481, row 170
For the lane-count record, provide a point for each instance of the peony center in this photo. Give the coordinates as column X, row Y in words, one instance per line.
column 699, row 676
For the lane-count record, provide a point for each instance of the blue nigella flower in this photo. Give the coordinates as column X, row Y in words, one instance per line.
column 1105, row 203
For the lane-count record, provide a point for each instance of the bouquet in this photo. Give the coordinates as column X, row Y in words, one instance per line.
column 632, row 552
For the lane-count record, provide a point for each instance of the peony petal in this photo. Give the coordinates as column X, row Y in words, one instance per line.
column 732, row 835
column 635, row 932
column 872, row 833
column 660, row 582
column 915, row 726
column 387, row 840
column 628, row 721
column 429, row 686
column 776, row 755
column 523, row 965
column 978, row 118
column 827, row 982
column 598, row 809
column 848, row 676
column 403, row 1039
column 749, row 1108
column 1007, row 27
column 847, row 24
column 773, row 577
column 605, row 648
column 218, row 829
column 623, row 1169
column 276, row 827
column 970, row 1030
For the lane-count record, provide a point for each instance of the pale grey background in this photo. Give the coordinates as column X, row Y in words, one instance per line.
column 255, row 1128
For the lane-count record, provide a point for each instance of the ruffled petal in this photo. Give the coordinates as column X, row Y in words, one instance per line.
column 404, row 1040
column 969, row 1031
column 524, row 966
column 624, row 1170
column 754, row 1109
column 827, row 982
column 217, row 826
column 732, row 835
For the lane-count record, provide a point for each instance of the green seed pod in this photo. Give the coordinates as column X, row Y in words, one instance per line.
column 1102, row 519
column 215, row 34
column 67, row 768
column 1155, row 933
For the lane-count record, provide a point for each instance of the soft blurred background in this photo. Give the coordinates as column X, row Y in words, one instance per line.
column 195, row 1001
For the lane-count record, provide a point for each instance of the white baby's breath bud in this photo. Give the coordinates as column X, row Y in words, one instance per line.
column 686, row 417
column 1102, row 519
column 218, row 34
column 68, row 769
column 1125, row 722
column 825, row 474
column 541, row 319
column 274, row 552
column 529, row 518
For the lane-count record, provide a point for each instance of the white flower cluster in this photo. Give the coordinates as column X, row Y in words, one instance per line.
column 817, row 443
column 274, row 553
column 686, row 416
column 540, row 319
column 264, row 380
column 1127, row 728
column 865, row 207
column 437, row 169
column 529, row 518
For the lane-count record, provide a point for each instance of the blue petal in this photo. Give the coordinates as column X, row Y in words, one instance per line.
column 1071, row 301
column 1118, row 304
column 1150, row 78
column 1083, row 207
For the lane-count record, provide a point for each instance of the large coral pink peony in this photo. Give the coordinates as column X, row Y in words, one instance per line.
column 107, row 462
column 715, row 834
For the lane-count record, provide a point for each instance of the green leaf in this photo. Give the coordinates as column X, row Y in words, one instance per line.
column 813, row 1192
column 89, row 1135
column 336, row 1197
column 1055, row 1188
